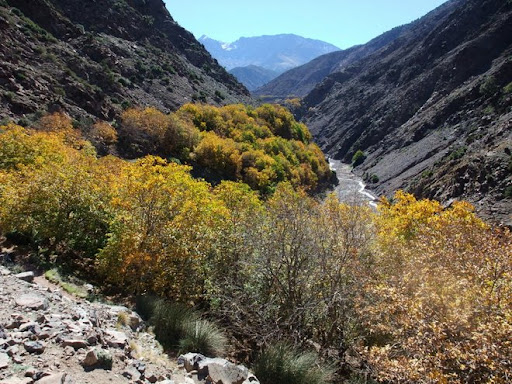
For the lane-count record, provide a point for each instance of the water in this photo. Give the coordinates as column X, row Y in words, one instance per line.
column 351, row 188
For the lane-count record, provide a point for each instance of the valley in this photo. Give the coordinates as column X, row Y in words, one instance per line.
column 326, row 217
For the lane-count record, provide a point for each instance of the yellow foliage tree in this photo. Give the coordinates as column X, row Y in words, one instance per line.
column 439, row 307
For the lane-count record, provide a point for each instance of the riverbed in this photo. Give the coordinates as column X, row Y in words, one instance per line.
column 351, row 188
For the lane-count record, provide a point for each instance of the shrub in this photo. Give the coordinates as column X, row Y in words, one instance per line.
column 104, row 359
column 170, row 320
column 508, row 88
column 283, row 364
column 358, row 158
column 145, row 306
column 204, row 337
column 489, row 86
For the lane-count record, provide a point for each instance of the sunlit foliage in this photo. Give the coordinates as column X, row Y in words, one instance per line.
column 439, row 307
column 419, row 292
column 260, row 146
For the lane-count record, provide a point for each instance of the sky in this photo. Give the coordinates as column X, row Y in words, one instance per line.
column 343, row 23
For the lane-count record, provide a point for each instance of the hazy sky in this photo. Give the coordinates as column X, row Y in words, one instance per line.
column 340, row 22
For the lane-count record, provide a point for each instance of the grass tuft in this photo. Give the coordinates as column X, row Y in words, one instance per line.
column 281, row 363
column 204, row 337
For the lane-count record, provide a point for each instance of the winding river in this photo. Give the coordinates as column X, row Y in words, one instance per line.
column 351, row 188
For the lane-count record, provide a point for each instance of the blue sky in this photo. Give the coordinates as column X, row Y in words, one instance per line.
column 340, row 22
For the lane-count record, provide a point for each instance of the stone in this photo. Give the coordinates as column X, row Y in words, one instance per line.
column 75, row 343
column 13, row 350
column 17, row 320
column 16, row 380
column 221, row 370
column 30, row 327
column 34, row 346
column 131, row 373
column 116, row 339
column 56, row 378
column 4, row 271
column 26, row 276
column 134, row 321
column 190, row 361
column 91, row 359
column 251, row 379
column 92, row 338
column 98, row 359
column 17, row 359
column 32, row 301
column 139, row 366
column 4, row 360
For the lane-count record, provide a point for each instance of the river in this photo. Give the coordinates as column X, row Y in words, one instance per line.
column 351, row 188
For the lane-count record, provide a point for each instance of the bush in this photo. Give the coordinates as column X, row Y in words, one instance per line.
column 204, row 337
column 179, row 327
column 104, row 359
column 170, row 320
column 489, row 86
column 283, row 364
column 145, row 306
column 358, row 158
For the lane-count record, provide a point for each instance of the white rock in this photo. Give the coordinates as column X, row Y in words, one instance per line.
column 190, row 361
column 26, row 276
column 16, row 380
column 222, row 370
column 32, row 301
column 116, row 339
column 4, row 360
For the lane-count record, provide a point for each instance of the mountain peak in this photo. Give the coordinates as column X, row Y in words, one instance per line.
column 273, row 52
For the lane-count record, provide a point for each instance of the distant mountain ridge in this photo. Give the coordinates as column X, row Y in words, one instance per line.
column 253, row 76
column 299, row 81
column 277, row 52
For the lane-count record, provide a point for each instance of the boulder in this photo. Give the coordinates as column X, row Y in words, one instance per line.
column 91, row 359
column 30, row 327
column 4, row 360
column 75, row 343
column 16, row 380
column 57, row 378
column 32, row 301
column 190, row 361
column 26, row 276
column 134, row 321
column 220, row 370
column 131, row 373
column 251, row 379
column 116, row 339
column 34, row 346
column 97, row 359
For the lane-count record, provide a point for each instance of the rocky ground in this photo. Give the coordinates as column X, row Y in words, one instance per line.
column 48, row 336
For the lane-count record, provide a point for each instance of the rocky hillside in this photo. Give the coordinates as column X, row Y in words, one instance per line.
column 48, row 336
column 253, row 76
column 94, row 58
column 277, row 52
column 298, row 82
column 431, row 110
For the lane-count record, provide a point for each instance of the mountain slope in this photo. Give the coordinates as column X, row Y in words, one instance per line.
column 253, row 76
column 432, row 109
column 278, row 53
column 298, row 82
column 93, row 58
